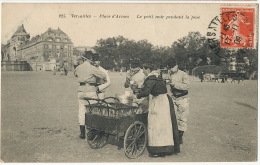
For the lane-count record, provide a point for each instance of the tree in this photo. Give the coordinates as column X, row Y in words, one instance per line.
column 160, row 55
column 190, row 50
column 195, row 50
column 117, row 52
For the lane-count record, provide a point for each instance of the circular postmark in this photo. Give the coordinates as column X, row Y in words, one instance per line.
column 233, row 28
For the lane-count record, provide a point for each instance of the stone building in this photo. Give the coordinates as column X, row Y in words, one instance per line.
column 18, row 38
column 52, row 49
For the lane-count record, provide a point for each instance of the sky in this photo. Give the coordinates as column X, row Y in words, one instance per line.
column 140, row 24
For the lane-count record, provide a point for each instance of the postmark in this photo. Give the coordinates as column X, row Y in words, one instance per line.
column 233, row 28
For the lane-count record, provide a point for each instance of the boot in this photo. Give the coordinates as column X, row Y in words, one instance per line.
column 82, row 132
column 180, row 137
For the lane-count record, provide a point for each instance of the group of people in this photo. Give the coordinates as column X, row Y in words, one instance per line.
column 64, row 71
column 167, row 113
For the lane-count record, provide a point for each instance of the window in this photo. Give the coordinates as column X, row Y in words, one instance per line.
column 58, row 39
column 69, row 47
column 45, row 46
column 53, row 46
column 50, row 39
column 69, row 54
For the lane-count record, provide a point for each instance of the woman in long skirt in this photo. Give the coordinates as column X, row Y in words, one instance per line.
column 162, row 125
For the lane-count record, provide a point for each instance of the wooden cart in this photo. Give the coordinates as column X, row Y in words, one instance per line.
column 110, row 117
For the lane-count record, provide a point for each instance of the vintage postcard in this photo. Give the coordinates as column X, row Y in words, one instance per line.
column 129, row 82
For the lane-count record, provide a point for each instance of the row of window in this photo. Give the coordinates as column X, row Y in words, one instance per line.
column 57, row 39
column 65, row 54
column 57, row 47
column 32, row 48
column 21, row 39
column 35, row 51
column 38, row 48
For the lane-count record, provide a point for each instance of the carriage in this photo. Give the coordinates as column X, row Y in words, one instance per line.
column 109, row 117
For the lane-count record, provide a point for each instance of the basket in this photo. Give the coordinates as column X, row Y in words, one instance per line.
column 114, row 110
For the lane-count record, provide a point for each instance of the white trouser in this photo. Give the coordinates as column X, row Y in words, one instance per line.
column 82, row 103
column 181, row 107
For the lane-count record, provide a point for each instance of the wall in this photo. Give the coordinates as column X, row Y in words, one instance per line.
column 15, row 66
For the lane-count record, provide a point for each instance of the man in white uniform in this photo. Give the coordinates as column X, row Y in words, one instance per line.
column 179, row 87
column 87, row 75
column 135, row 79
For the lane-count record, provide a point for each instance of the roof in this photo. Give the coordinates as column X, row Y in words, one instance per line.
column 20, row 31
column 52, row 34
column 58, row 31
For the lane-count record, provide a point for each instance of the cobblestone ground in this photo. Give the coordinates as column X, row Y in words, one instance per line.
column 39, row 122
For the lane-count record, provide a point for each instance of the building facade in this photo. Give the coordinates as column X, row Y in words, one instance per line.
column 47, row 51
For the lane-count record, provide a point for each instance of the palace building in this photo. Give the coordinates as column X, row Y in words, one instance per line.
column 47, row 51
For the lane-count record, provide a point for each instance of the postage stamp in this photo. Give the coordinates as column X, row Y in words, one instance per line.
column 237, row 27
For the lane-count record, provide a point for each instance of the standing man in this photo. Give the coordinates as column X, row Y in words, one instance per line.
column 65, row 70
column 87, row 75
column 54, row 71
column 135, row 79
column 179, row 83
column 201, row 76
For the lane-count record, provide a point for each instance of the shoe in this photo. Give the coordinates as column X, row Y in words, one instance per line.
column 180, row 137
column 174, row 153
column 82, row 136
column 156, row 155
column 82, row 132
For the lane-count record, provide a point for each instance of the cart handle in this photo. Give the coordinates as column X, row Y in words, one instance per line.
column 99, row 101
column 114, row 98
column 89, row 98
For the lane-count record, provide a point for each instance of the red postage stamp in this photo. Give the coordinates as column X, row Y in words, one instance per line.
column 237, row 27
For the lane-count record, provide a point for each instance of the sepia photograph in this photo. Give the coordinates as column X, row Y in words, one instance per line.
column 129, row 82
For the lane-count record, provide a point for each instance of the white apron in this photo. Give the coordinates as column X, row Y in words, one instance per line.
column 159, row 122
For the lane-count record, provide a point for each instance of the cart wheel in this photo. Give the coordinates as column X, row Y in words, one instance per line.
column 97, row 139
column 135, row 140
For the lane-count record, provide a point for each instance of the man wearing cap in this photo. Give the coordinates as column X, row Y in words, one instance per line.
column 135, row 79
column 179, row 83
column 87, row 75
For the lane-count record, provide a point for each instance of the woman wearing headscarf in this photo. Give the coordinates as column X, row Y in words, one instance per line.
column 162, row 125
